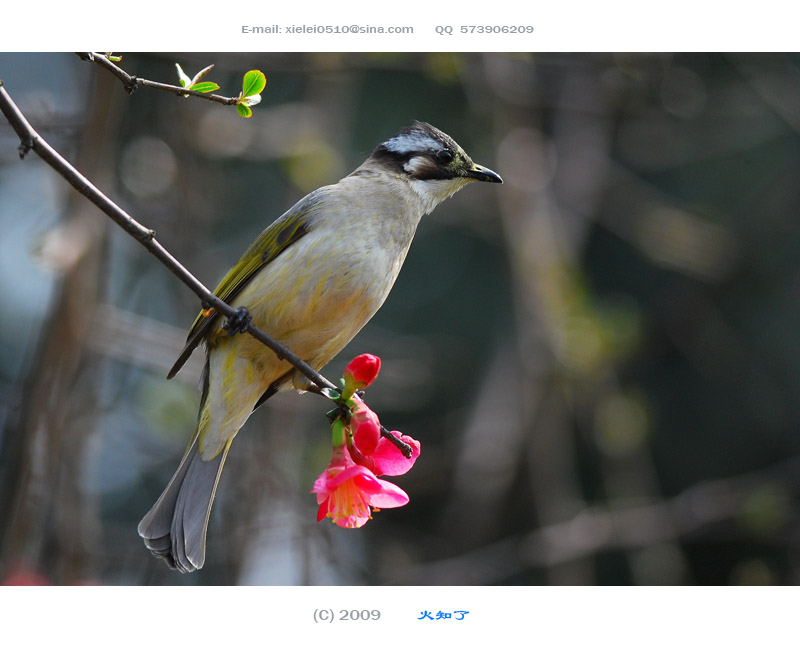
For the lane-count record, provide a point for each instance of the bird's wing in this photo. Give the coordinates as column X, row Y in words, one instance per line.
column 272, row 242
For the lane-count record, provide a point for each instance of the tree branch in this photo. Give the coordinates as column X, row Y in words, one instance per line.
column 132, row 82
column 31, row 140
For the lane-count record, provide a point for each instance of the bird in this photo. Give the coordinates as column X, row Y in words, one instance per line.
column 311, row 280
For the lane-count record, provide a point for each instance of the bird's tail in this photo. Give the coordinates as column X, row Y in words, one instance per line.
column 175, row 528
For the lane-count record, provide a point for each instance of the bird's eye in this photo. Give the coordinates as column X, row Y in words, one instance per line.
column 444, row 156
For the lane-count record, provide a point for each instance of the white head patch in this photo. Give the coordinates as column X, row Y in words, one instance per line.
column 412, row 142
column 416, row 164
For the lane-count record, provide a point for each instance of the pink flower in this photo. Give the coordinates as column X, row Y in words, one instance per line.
column 347, row 492
column 361, row 372
column 349, row 489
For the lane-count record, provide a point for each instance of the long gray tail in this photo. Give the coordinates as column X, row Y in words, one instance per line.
column 175, row 528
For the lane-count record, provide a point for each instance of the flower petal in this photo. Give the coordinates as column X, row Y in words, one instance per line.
column 367, row 482
column 390, row 496
column 389, row 460
column 366, row 436
column 322, row 512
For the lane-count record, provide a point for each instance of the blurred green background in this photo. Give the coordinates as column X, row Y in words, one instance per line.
column 600, row 357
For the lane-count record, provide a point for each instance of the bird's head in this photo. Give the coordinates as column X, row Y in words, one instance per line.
column 431, row 161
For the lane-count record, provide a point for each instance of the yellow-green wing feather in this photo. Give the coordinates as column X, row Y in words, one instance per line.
column 272, row 242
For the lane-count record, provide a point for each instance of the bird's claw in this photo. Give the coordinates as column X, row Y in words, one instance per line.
column 239, row 322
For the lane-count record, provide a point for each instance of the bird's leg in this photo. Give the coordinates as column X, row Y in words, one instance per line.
column 239, row 322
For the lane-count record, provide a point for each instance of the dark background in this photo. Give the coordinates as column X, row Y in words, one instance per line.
column 600, row 357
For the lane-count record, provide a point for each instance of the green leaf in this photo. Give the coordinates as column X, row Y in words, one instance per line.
column 253, row 83
column 244, row 110
column 330, row 393
column 205, row 87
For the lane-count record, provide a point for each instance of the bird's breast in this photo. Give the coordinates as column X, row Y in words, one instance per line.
column 319, row 293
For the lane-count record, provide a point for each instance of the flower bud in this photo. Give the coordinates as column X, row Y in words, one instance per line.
column 366, row 428
column 361, row 372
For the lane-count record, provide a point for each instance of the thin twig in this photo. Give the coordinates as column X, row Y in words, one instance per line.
column 132, row 82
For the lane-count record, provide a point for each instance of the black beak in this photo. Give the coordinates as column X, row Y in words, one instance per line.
column 481, row 173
